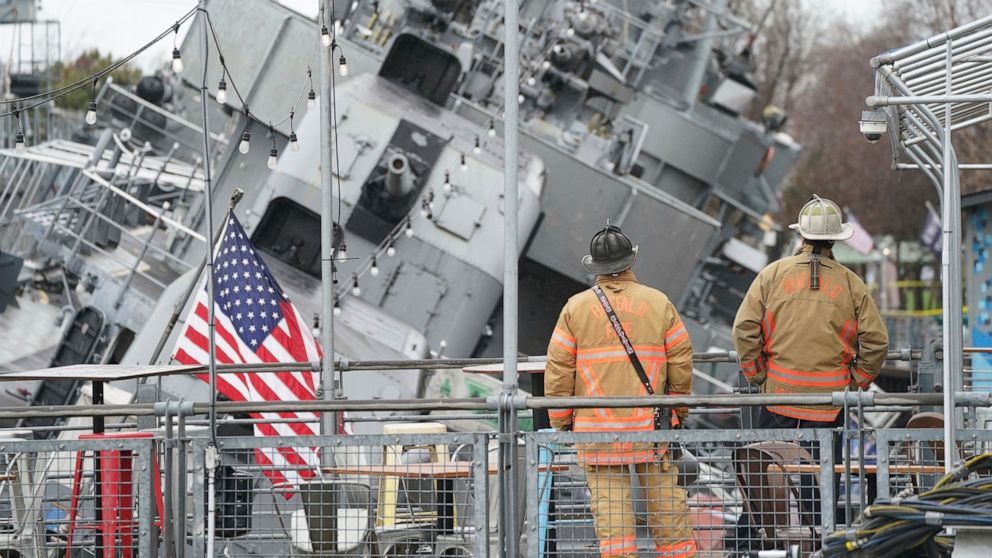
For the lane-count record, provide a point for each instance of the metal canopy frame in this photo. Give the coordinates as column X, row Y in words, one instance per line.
column 928, row 90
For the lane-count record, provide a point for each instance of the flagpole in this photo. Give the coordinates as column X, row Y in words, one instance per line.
column 327, row 380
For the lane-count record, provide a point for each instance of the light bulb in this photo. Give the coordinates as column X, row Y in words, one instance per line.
column 409, row 230
column 521, row 99
column 91, row 114
column 342, row 252
column 374, row 270
column 570, row 32
column 177, row 61
column 477, row 149
column 337, row 307
column 315, row 332
column 355, row 289
column 492, row 130
column 222, row 91
column 424, row 211
column 391, row 249
column 464, row 163
column 245, row 144
column 273, row 158
column 546, row 65
column 311, row 99
column 446, row 189
column 531, row 81
column 19, row 141
column 325, row 36
column 294, row 143
column 342, row 66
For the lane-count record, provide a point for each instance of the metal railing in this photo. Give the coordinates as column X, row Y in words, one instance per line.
column 419, row 490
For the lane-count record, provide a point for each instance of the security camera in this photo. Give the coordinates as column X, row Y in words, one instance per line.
column 873, row 124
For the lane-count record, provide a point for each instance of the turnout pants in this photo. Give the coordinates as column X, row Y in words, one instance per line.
column 613, row 509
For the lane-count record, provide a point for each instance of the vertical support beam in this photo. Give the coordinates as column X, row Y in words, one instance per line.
column 511, row 77
column 328, row 381
column 199, row 524
column 211, row 334
column 208, row 210
column 480, row 489
column 828, row 490
column 507, row 412
column 882, row 440
column 951, row 275
column 144, row 456
column 532, row 536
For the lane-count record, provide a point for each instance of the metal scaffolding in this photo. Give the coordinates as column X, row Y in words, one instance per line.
column 923, row 93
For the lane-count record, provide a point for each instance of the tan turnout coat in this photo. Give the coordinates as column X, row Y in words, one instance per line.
column 792, row 339
column 585, row 358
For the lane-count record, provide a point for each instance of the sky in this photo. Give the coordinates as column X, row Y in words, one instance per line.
column 121, row 26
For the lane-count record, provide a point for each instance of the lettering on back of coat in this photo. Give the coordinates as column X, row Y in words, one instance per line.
column 796, row 282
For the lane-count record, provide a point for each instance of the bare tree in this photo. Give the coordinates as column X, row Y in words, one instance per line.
column 820, row 75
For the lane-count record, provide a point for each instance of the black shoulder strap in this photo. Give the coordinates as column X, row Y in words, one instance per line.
column 617, row 327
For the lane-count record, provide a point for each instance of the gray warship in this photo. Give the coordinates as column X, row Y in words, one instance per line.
column 630, row 112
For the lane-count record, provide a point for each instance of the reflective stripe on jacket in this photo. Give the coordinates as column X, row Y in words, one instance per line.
column 792, row 339
column 585, row 358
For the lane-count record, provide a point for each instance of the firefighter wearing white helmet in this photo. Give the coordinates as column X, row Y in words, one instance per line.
column 809, row 325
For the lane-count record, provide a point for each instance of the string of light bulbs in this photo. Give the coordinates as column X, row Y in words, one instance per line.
column 18, row 105
column 30, row 102
column 370, row 265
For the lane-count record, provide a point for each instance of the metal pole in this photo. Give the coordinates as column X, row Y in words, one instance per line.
column 951, row 274
column 327, row 379
column 208, row 209
column 508, row 414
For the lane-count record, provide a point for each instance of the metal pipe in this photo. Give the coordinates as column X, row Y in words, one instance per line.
column 951, row 263
column 417, row 365
column 398, row 179
column 208, row 209
column 927, row 171
column 926, row 44
column 702, row 51
column 126, row 285
column 511, row 256
column 874, row 101
column 328, row 381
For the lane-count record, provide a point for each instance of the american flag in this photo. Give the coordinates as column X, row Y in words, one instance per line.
column 255, row 323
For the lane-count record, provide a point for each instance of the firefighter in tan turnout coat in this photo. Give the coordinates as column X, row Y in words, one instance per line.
column 809, row 325
column 586, row 358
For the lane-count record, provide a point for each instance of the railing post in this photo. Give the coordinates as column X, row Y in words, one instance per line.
column 531, row 534
column 198, row 447
column 480, row 493
column 882, row 457
column 828, row 492
column 147, row 537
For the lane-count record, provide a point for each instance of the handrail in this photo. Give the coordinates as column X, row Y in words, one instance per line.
column 867, row 400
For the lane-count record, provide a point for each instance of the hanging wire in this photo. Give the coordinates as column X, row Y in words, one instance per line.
column 53, row 94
